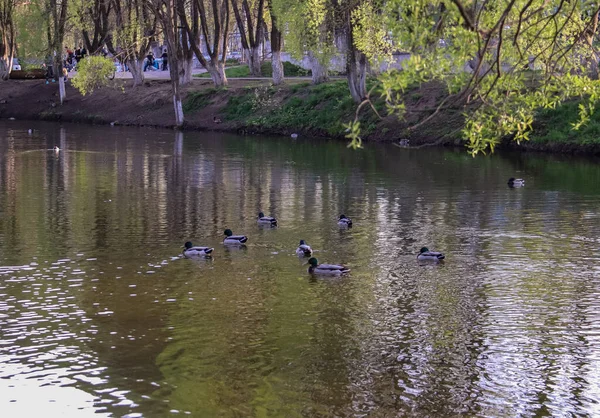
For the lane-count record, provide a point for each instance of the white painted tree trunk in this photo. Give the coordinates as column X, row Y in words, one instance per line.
column 178, row 109
column 277, row 68
column 61, row 88
column 136, row 68
column 320, row 73
column 217, row 74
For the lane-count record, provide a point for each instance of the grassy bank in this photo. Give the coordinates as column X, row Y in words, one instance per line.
column 266, row 70
column 554, row 126
column 257, row 107
column 318, row 110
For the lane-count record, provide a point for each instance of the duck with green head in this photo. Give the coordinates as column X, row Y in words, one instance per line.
column 426, row 255
column 303, row 249
column 266, row 220
column 513, row 182
column 231, row 239
column 190, row 251
column 326, row 269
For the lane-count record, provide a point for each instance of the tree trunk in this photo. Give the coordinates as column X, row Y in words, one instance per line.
column 5, row 68
column 276, row 63
column 136, row 68
column 185, row 71
column 593, row 66
column 356, row 66
column 217, row 73
column 357, row 76
column 319, row 71
column 178, row 107
column 7, row 39
column 254, row 61
column 277, row 68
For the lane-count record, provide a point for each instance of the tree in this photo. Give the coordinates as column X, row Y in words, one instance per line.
column 210, row 18
column 93, row 18
column 135, row 28
column 276, row 44
column 56, row 19
column 166, row 11
column 499, row 61
column 310, row 32
column 251, row 23
column 7, row 37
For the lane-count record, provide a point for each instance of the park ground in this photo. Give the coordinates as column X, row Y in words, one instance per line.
column 254, row 106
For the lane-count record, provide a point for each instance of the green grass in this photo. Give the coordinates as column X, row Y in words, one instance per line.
column 289, row 69
column 555, row 126
column 197, row 100
column 325, row 107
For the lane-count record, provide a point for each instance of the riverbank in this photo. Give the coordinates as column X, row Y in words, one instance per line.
column 254, row 106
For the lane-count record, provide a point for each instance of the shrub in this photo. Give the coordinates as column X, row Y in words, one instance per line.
column 93, row 72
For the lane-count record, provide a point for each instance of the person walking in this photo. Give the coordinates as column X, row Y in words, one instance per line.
column 165, row 60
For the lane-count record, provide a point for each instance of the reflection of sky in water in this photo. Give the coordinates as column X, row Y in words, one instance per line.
column 97, row 311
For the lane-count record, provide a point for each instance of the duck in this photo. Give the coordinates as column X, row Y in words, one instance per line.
column 56, row 149
column 266, row 220
column 426, row 255
column 231, row 239
column 190, row 251
column 513, row 182
column 304, row 249
column 216, row 119
column 345, row 221
column 326, row 269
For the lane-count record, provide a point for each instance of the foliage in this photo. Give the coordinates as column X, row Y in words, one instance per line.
column 483, row 53
column 309, row 26
column 290, row 70
column 31, row 27
column 93, row 72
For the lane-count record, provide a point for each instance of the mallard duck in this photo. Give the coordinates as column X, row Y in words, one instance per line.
column 303, row 249
column 326, row 269
column 427, row 255
column 513, row 182
column 190, row 251
column 345, row 221
column 231, row 239
column 266, row 220
column 216, row 119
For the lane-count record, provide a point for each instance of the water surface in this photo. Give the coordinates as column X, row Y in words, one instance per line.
column 100, row 315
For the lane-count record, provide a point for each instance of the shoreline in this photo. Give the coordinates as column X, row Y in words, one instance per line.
column 150, row 106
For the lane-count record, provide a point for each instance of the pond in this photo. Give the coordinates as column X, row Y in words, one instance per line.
column 99, row 314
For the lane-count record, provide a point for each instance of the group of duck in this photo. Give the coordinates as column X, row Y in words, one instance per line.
column 303, row 250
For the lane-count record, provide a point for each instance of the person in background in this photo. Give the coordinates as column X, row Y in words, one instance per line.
column 165, row 60
column 78, row 55
column 149, row 61
column 48, row 66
